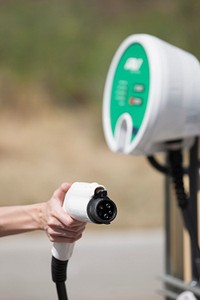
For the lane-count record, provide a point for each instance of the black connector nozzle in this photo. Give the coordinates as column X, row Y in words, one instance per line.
column 101, row 209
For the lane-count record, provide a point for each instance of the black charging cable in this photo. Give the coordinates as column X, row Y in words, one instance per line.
column 59, row 276
column 177, row 172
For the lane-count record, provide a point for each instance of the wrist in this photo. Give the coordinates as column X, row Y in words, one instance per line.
column 41, row 216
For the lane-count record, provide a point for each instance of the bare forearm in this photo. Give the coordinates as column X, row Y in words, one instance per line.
column 19, row 219
column 48, row 216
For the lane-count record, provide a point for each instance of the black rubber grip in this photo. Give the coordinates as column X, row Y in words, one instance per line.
column 58, row 270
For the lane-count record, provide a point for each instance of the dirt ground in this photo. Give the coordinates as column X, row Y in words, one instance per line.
column 40, row 151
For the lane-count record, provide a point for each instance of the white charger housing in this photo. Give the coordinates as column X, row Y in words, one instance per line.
column 151, row 96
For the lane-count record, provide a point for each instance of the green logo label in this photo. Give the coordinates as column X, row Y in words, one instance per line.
column 130, row 87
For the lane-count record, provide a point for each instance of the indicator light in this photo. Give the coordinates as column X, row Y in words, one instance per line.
column 135, row 101
column 138, row 88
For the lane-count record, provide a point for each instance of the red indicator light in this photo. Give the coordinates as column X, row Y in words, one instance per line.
column 135, row 101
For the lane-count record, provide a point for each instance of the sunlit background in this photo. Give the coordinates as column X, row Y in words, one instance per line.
column 54, row 58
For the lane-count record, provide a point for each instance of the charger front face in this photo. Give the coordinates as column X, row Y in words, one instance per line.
column 129, row 91
column 151, row 96
column 126, row 95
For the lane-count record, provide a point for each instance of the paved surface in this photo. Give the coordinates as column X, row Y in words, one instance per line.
column 106, row 265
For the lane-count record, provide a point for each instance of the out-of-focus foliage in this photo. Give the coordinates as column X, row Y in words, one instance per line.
column 55, row 53
column 65, row 47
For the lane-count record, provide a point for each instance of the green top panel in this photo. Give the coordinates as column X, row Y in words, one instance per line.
column 130, row 87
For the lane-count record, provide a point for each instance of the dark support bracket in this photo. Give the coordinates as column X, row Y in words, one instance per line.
column 173, row 267
column 193, row 172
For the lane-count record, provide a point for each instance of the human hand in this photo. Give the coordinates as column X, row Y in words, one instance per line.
column 58, row 224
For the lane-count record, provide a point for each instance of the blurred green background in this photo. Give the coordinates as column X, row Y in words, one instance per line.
column 54, row 57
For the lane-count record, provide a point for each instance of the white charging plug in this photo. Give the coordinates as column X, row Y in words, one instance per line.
column 86, row 202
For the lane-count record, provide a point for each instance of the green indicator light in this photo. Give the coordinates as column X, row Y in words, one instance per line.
column 130, row 87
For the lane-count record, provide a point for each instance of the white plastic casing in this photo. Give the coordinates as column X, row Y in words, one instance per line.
column 173, row 108
column 75, row 204
column 77, row 198
column 62, row 251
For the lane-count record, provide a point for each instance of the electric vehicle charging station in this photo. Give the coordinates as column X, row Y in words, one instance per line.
column 151, row 104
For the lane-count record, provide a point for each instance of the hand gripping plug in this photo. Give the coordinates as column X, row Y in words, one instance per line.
column 86, row 202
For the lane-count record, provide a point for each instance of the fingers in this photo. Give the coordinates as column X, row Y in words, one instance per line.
column 71, row 226
column 57, row 210
column 60, row 239
column 62, row 235
column 61, row 191
column 64, row 222
column 60, row 227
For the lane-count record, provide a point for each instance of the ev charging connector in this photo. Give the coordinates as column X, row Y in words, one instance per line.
column 86, row 202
